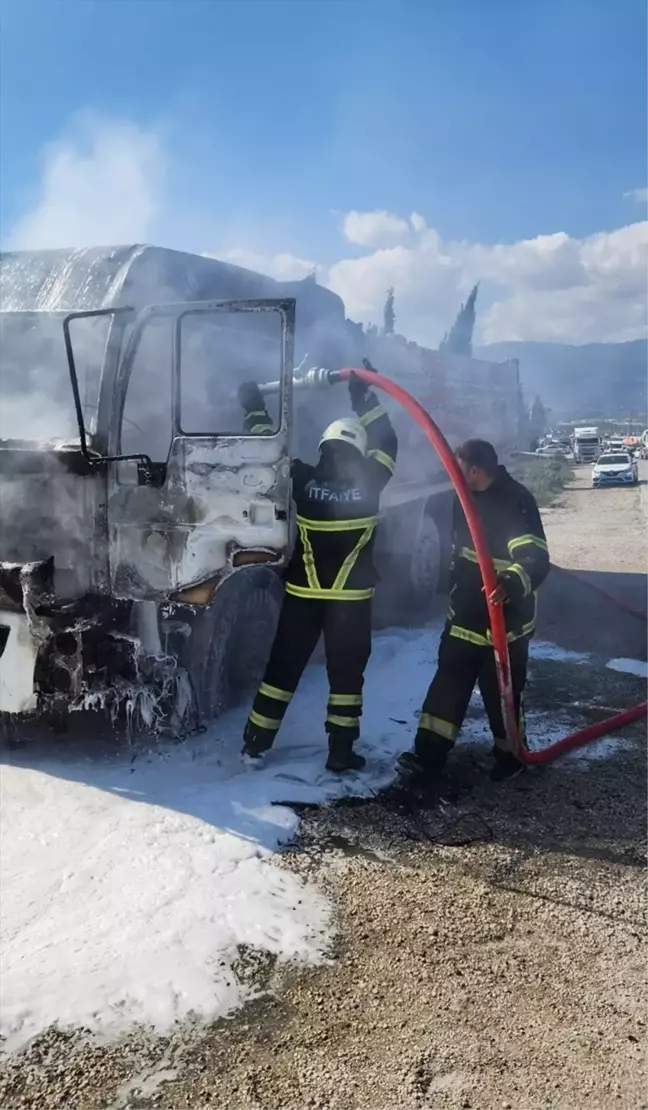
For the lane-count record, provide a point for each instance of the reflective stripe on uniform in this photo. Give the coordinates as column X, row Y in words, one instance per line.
column 336, row 525
column 275, row 692
column 516, row 568
column 345, row 699
column 328, row 595
column 309, row 558
column 383, row 458
column 481, row 640
column 459, row 633
column 471, row 555
column 337, row 591
column 522, row 541
column 264, row 722
column 342, row 576
column 261, row 429
column 374, row 414
column 438, row 725
column 342, row 722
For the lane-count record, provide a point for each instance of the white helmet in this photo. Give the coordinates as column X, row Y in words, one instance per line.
column 347, row 430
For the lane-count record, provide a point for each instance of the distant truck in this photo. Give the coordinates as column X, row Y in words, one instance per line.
column 586, row 445
column 631, row 444
column 143, row 533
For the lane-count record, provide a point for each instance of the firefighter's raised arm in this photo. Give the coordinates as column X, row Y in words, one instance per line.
column 382, row 444
column 257, row 420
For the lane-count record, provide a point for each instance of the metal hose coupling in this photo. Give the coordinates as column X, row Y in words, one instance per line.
column 315, row 378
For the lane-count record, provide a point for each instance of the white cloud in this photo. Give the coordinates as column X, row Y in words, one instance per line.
column 284, row 267
column 640, row 195
column 553, row 287
column 102, row 182
column 374, row 229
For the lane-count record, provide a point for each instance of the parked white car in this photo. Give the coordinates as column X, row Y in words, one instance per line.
column 551, row 451
column 616, row 468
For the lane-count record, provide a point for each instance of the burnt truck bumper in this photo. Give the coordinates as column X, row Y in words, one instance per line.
column 17, row 664
column 57, row 652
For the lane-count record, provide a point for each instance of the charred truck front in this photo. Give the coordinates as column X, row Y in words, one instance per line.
column 141, row 529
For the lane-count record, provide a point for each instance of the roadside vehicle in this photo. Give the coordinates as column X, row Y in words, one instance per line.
column 615, row 469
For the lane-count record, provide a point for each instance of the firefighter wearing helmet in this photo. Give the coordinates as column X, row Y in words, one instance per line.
column 330, row 579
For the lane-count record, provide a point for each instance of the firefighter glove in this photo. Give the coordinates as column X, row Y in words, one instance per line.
column 357, row 389
column 250, row 397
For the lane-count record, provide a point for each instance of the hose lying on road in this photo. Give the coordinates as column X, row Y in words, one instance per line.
column 604, row 593
column 495, row 612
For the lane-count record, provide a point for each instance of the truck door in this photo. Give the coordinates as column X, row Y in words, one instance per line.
column 212, row 499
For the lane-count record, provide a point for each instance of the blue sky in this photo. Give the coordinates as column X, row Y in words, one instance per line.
column 498, row 120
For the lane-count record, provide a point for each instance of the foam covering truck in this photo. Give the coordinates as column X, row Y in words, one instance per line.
column 143, row 534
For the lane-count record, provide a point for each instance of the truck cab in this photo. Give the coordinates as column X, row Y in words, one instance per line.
column 130, row 497
column 586, row 444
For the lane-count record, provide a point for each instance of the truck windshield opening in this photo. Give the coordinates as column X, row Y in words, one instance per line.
column 37, row 401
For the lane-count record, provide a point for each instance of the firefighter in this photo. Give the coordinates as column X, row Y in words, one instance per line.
column 330, row 578
column 519, row 549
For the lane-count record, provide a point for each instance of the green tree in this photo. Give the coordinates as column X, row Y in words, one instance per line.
column 538, row 419
column 458, row 341
column 524, row 422
column 389, row 316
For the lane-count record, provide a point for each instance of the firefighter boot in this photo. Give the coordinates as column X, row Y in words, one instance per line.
column 507, row 766
column 427, row 761
column 257, row 741
column 341, row 755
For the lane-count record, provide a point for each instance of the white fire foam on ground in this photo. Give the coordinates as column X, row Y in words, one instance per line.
column 128, row 885
column 638, row 667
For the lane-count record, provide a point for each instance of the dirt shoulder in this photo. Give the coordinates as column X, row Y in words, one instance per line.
column 490, row 946
column 599, row 539
column 609, row 534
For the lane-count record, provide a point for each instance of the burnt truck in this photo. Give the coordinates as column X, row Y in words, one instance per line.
column 142, row 532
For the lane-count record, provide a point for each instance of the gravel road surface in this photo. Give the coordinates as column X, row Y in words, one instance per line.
column 491, row 941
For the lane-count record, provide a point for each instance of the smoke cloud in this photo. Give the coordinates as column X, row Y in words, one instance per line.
column 102, row 182
column 283, row 267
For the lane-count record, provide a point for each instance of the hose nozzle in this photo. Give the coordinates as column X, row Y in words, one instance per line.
column 315, row 378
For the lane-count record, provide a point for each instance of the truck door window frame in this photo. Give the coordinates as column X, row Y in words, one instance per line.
column 155, row 474
column 286, row 311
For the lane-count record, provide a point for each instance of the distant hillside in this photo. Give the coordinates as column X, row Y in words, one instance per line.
column 597, row 380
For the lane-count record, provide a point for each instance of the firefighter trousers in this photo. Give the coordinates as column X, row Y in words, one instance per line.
column 346, row 626
column 462, row 665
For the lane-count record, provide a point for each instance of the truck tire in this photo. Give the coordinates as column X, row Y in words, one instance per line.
column 424, row 569
column 230, row 640
column 254, row 631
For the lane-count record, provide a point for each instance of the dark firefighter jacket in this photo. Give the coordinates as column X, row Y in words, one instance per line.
column 517, row 543
column 336, row 519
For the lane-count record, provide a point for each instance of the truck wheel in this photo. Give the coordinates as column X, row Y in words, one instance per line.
column 254, row 631
column 230, row 640
column 425, row 563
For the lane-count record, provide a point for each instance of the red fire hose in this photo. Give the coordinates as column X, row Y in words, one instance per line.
column 495, row 612
column 634, row 612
